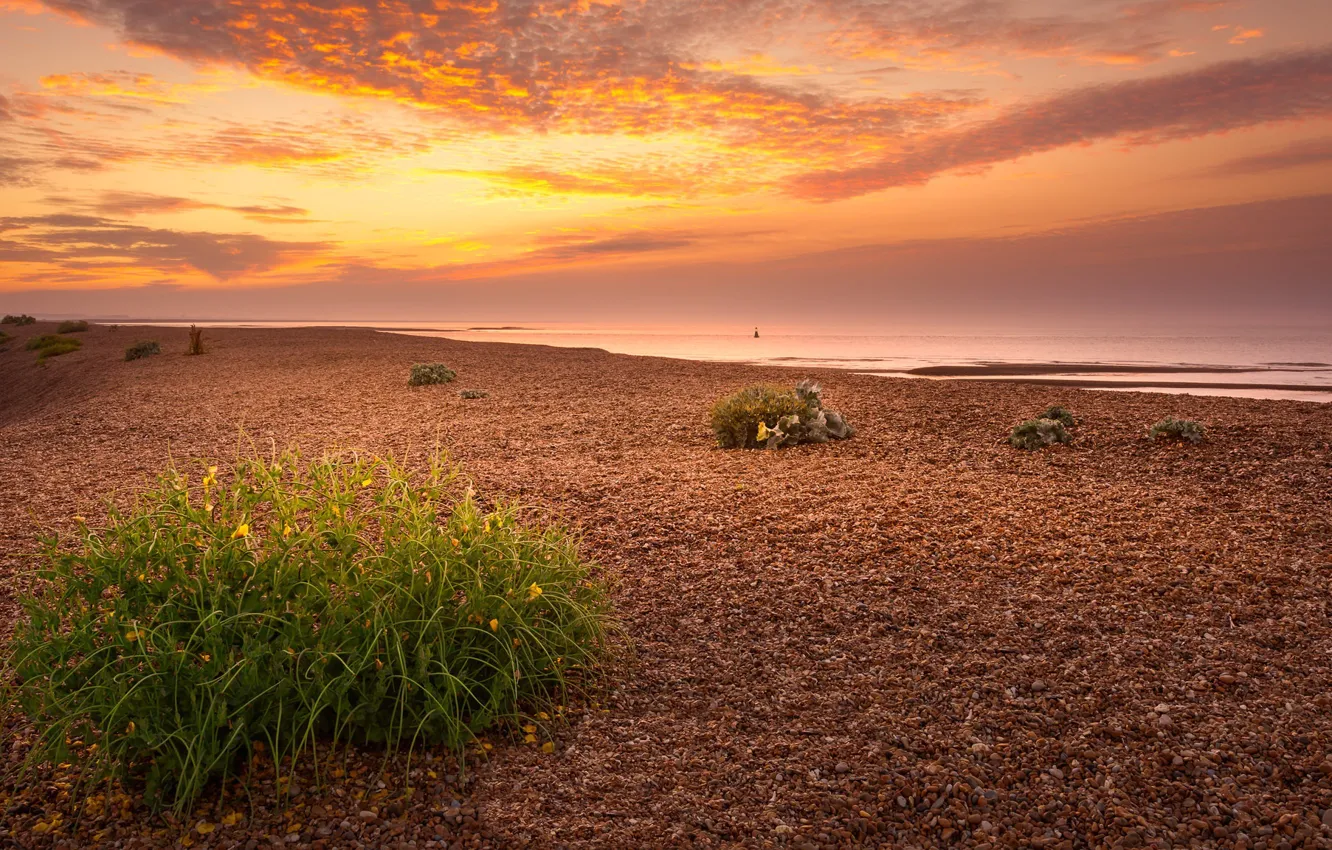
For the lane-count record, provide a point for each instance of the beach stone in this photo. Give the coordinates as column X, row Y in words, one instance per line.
column 368, row 816
column 1327, row 817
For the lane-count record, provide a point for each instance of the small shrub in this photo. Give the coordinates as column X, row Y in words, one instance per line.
column 1185, row 430
column 72, row 327
column 140, row 350
column 4, row 338
column 1061, row 415
column 1039, row 433
column 768, row 416
column 291, row 605
column 424, row 374
column 196, row 341
column 52, row 345
column 20, row 320
column 473, row 394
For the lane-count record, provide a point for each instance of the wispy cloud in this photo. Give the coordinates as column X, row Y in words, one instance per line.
column 1298, row 155
column 1220, row 97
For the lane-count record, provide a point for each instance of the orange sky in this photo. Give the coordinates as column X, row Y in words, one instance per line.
column 525, row 160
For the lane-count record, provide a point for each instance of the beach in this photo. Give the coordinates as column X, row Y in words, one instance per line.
column 918, row 637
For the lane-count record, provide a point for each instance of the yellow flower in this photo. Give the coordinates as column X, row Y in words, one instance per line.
column 762, row 431
column 533, row 592
column 494, row 625
column 530, row 739
column 232, row 819
column 486, row 526
column 286, row 530
column 205, row 656
column 208, row 507
column 242, row 530
column 379, row 665
column 131, row 636
column 548, row 747
column 456, row 542
column 337, row 511
column 529, row 729
column 212, row 470
column 80, row 520
column 367, row 482
column 205, row 827
column 129, row 730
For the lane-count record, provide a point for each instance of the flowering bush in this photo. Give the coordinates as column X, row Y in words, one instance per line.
column 767, row 416
column 286, row 603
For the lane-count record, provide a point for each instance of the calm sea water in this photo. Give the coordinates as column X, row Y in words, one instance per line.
column 1297, row 360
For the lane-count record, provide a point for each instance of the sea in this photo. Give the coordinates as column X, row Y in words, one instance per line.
column 1255, row 362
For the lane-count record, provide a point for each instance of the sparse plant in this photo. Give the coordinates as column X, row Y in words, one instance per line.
column 472, row 394
column 769, row 416
column 196, row 340
column 52, row 345
column 291, row 605
column 1061, row 415
column 72, row 327
column 1185, row 430
column 20, row 320
column 4, row 338
column 139, row 350
column 425, row 374
column 1039, row 433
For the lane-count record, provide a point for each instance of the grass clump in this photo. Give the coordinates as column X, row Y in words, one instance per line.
column 140, row 350
column 424, row 374
column 53, row 345
column 1181, row 430
column 196, row 341
column 769, row 416
column 72, row 327
column 473, row 394
column 286, row 605
column 20, row 320
column 1039, row 433
column 4, row 338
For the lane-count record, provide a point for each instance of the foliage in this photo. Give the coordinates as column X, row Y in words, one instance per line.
column 424, row 374
column 1061, row 415
column 72, row 327
column 1039, row 433
column 142, row 349
column 196, row 341
column 52, row 345
column 297, row 605
column 23, row 319
column 1186, row 430
column 470, row 394
column 4, row 338
column 769, row 416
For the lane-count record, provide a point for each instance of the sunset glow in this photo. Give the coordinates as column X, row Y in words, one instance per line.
column 507, row 157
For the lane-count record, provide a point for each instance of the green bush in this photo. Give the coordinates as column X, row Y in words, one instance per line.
column 430, row 373
column 1061, row 415
column 736, row 418
column 1039, row 433
column 20, row 320
column 51, row 345
column 72, row 327
column 142, row 349
column 4, row 338
column 473, row 394
column 1185, row 430
column 295, row 604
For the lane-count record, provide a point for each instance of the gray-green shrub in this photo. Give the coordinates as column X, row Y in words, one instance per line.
column 1186, row 430
column 298, row 604
column 1038, row 433
column 1061, row 415
column 769, row 416
column 72, row 327
column 142, row 349
column 425, row 374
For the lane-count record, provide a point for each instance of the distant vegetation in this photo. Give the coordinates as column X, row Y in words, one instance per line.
column 142, row 349
column 24, row 319
column 52, row 345
column 424, row 374
column 474, row 394
column 290, row 605
column 196, row 340
column 770, row 416
column 1060, row 415
column 72, row 327
column 1185, row 430
column 1039, row 433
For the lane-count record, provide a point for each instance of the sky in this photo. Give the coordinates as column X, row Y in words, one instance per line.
column 850, row 161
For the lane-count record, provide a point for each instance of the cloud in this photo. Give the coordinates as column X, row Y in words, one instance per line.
column 5, row 113
column 1219, row 97
column 71, row 241
column 1298, row 155
column 128, row 204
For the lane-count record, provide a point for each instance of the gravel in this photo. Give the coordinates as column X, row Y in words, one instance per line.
column 919, row 637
